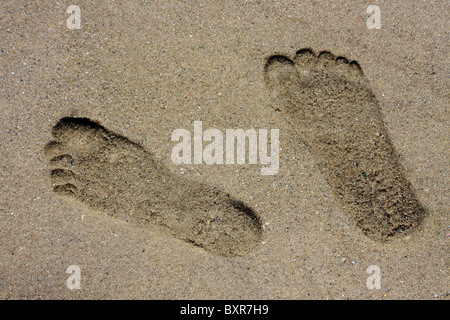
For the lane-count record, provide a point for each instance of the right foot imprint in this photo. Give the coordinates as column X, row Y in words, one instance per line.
column 112, row 174
column 329, row 102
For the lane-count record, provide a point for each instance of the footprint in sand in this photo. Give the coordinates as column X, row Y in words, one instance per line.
column 329, row 102
column 111, row 174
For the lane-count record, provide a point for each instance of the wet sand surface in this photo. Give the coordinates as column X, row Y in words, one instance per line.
column 141, row 69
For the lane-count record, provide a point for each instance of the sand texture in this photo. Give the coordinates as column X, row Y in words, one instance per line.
column 87, row 172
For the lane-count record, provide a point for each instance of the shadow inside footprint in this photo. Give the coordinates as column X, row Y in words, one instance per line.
column 329, row 102
column 112, row 174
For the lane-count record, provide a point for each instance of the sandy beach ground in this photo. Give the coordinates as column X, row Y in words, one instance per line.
column 144, row 68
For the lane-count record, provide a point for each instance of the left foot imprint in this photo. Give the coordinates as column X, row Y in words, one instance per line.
column 114, row 175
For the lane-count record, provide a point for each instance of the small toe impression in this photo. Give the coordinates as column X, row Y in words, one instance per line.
column 326, row 59
column 67, row 189
column 342, row 61
column 53, row 149
column 305, row 60
column 356, row 68
column 63, row 160
column 342, row 65
column 304, row 55
column 60, row 176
